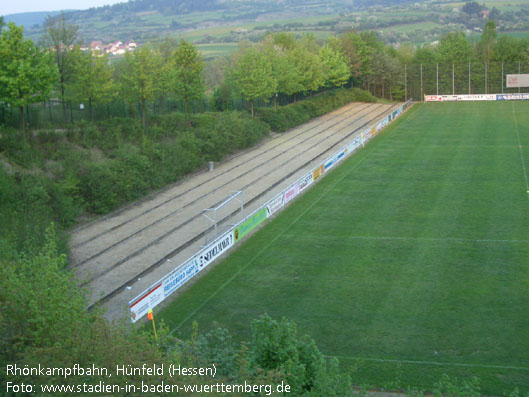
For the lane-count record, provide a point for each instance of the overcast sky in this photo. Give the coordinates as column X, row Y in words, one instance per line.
column 14, row 7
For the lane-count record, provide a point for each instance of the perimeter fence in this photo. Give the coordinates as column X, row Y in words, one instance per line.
column 413, row 81
column 55, row 113
column 461, row 78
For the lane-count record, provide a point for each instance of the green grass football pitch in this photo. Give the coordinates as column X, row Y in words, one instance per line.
column 409, row 261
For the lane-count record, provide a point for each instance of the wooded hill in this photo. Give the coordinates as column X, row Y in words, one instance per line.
column 145, row 20
column 219, row 25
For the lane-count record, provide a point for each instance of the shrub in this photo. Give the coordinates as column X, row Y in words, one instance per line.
column 290, row 116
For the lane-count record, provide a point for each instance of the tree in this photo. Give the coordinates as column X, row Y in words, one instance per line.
column 186, row 68
column 308, row 68
column 254, row 75
column 488, row 38
column 353, row 49
column 92, row 79
column 359, row 49
column 494, row 14
column 386, row 71
column 424, row 55
column 334, row 66
column 507, row 49
column 284, row 40
column 454, row 48
column 288, row 81
column 471, row 8
column 140, row 77
column 60, row 37
column 215, row 71
column 27, row 74
column 283, row 69
column 276, row 345
column 454, row 54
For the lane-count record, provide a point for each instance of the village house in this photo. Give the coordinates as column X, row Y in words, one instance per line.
column 115, row 48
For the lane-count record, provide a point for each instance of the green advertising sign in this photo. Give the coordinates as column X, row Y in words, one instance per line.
column 249, row 224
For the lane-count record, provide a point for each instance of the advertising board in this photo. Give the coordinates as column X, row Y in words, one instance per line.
column 249, row 224
column 275, row 205
column 517, row 80
column 476, row 97
column 305, row 181
column 318, row 171
column 334, row 159
column 146, row 301
column 290, row 193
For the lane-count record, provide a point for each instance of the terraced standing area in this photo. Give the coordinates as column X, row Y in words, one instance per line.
column 119, row 256
column 409, row 261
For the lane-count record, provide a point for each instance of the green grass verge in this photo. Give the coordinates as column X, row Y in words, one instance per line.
column 415, row 250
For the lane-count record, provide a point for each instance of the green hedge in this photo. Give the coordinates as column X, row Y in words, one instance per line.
column 290, row 116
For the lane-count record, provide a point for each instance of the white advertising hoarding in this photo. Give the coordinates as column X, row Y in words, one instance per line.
column 517, row 80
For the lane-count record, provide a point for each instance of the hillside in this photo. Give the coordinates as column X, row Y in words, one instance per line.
column 218, row 25
column 30, row 20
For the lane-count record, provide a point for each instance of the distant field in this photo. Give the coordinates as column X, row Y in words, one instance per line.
column 518, row 35
column 409, row 261
column 502, row 5
column 413, row 26
column 217, row 49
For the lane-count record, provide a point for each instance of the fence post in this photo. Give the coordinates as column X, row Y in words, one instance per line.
column 486, row 77
column 519, row 72
column 502, row 77
column 405, row 84
column 422, row 91
column 469, row 78
column 453, row 82
column 437, row 77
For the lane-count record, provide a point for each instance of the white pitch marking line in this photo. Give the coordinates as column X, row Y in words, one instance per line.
column 317, row 236
column 383, row 360
column 520, row 147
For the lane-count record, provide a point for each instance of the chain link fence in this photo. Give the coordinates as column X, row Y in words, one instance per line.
column 55, row 113
column 461, row 78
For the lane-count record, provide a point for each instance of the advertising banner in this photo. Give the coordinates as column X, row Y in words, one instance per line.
column 146, row 301
column 334, row 159
column 517, row 80
column 180, row 276
column 476, row 97
column 512, row 97
column 290, row 193
column 357, row 142
column 318, row 172
column 275, row 205
column 305, row 181
column 249, row 224
column 216, row 249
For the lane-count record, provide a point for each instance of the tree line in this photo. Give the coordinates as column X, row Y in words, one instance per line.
column 280, row 63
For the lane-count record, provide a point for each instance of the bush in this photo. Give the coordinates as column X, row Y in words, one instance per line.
column 277, row 346
column 290, row 116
